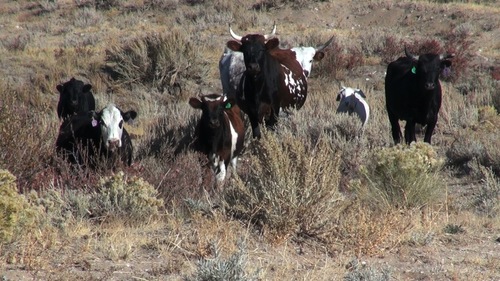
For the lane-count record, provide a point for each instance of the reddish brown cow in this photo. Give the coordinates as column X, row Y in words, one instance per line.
column 220, row 132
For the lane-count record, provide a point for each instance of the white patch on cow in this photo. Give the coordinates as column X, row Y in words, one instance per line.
column 234, row 139
column 111, row 131
column 294, row 86
column 352, row 102
column 305, row 56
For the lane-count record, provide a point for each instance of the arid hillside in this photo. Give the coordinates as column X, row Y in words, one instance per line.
column 319, row 197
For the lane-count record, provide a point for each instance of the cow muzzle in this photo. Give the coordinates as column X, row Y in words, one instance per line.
column 253, row 68
column 113, row 144
column 429, row 86
column 214, row 124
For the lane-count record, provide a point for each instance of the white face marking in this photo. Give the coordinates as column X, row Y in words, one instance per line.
column 305, row 57
column 111, row 126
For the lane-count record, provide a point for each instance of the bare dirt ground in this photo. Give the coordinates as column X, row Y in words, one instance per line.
column 473, row 253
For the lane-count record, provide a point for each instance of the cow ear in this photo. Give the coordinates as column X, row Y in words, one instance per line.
column 60, row 88
column 319, row 56
column 234, row 45
column 272, row 43
column 129, row 115
column 338, row 97
column 87, row 88
column 195, row 103
column 361, row 93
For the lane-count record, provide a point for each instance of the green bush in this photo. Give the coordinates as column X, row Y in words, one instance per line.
column 401, row 177
column 16, row 214
column 291, row 188
column 132, row 199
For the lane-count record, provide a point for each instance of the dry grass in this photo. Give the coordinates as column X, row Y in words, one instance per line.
column 302, row 203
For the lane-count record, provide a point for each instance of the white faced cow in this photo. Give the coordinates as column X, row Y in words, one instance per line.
column 90, row 137
column 353, row 101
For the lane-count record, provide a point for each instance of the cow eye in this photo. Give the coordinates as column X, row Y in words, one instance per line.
column 121, row 124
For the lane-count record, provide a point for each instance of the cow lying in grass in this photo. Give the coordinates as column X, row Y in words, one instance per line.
column 91, row 138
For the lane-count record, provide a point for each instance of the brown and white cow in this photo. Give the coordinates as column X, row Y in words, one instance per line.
column 220, row 132
column 273, row 79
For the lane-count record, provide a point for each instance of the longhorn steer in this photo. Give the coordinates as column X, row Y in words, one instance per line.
column 232, row 65
column 413, row 93
column 273, row 79
column 220, row 132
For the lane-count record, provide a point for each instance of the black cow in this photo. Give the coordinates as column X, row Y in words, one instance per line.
column 92, row 137
column 74, row 97
column 413, row 93
column 273, row 79
column 220, row 133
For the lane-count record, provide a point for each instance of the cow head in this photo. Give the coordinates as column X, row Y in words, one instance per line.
column 306, row 55
column 110, row 121
column 253, row 47
column 72, row 90
column 212, row 107
column 428, row 67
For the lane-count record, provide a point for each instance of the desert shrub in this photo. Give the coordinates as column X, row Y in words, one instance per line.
column 360, row 271
column 220, row 269
column 16, row 214
column 162, row 61
column 478, row 142
column 131, row 199
column 401, row 177
column 340, row 61
column 487, row 199
column 290, row 189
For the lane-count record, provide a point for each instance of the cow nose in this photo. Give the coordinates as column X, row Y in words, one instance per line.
column 306, row 73
column 254, row 67
column 113, row 144
column 429, row 85
column 214, row 123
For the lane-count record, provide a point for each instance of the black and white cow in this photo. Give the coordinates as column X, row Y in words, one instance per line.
column 220, row 133
column 413, row 93
column 353, row 101
column 91, row 138
column 74, row 97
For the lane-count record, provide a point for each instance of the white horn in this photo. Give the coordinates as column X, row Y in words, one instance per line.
column 268, row 36
column 234, row 35
column 411, row 56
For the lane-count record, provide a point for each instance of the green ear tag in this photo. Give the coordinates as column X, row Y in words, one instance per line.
column 228, row 105
column 414, row 70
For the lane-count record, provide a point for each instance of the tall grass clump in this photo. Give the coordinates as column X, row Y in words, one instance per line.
column 164, row 61
column 402, row 177
column 120, row 197
column 291, row 188
column 487, row 199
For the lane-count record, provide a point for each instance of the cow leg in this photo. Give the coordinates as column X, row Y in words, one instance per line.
column 429, row 130
column 410, row 132
column 396, row 130
column 222, row 172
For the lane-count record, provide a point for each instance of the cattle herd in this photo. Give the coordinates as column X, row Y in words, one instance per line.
column 261, row 79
